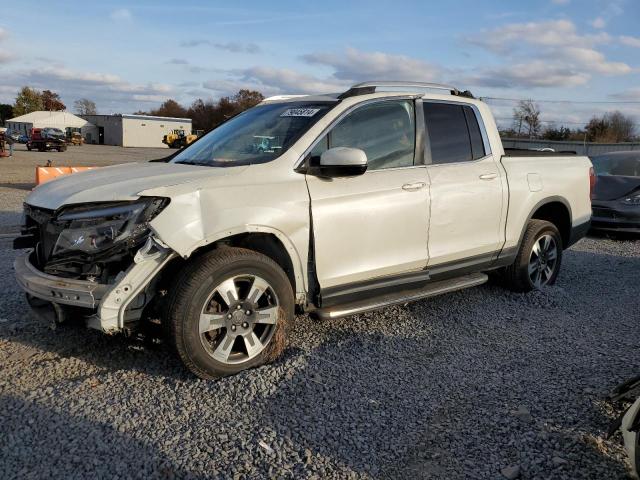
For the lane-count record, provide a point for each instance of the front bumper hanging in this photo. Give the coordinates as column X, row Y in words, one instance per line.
column 79, row 293
column 109, row 301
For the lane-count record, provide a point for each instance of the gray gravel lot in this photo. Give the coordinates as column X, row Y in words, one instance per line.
column 465, row 385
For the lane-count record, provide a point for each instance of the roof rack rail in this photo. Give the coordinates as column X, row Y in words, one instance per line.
column 282, row 97
column 370, row 87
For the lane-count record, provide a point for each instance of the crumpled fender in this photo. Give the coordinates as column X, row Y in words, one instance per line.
column 201, row 216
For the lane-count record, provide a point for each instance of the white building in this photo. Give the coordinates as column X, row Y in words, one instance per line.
column 65, row 121
column 134, row 130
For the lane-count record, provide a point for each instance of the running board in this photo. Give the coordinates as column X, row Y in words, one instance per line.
column 429, row 290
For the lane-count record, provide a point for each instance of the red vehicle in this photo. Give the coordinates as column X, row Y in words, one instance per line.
column 43, row 139
column 3, row 152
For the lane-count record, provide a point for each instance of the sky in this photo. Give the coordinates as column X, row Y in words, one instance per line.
column 129, row 56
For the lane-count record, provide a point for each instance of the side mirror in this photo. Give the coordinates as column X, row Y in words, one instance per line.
column 341, row 162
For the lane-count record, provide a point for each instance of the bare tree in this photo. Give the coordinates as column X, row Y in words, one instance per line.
column 208, row 114
column 612, row 127
column 84, row 106
column 526, row 118
column 621, row 126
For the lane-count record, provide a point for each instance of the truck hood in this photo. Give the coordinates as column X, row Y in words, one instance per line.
column 119, row 182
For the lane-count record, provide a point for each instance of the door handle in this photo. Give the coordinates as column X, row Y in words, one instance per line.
column 412, row 187
column 488, row 176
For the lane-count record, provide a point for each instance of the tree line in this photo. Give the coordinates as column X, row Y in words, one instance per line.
column 32, row 100
column 204, row 114
column 611, row 127
column 208, row 114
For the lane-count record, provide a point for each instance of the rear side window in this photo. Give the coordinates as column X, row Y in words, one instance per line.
column 454, row 134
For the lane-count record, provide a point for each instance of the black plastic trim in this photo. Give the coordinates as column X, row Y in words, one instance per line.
column 522, row 152
column 507, row 257
column 358, row 290
column 381, row 286
column 579, row 232
column 456, row 268
column 540, row 204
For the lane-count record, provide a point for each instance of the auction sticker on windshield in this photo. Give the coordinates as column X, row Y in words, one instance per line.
column 300, row 112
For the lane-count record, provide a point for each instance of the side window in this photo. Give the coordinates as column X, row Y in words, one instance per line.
column 477, row 145
column 449, row 134
column 385, row 131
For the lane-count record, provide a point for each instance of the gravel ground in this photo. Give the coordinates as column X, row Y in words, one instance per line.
column 476, row 384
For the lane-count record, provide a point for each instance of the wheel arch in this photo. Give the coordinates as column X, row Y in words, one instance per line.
column 266, row 240
column 556, row 210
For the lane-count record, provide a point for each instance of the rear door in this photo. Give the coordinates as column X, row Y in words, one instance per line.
column 375, row 224
column 467, row 185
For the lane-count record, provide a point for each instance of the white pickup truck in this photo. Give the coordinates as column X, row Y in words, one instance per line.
column 329, row 204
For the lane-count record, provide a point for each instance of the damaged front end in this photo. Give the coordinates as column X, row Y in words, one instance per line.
column 101, row 257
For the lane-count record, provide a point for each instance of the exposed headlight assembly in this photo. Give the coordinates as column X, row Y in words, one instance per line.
column 98, row 227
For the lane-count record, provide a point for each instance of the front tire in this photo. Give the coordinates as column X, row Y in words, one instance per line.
column 538, row 261
column 230, row 310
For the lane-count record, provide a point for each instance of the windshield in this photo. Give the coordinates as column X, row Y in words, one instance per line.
column 258, row 135
column 624, row 165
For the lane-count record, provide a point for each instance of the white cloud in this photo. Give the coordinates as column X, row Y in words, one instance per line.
column 598, row 22
column 184, row 64
column 629, row 41
column 591, row 61
column 149, row 98
column 348, row 67
column 5, row 57
column 234, row 47
column 536, row 73
column 231, row 85
column 291, row 81
column 553, row 33
column 109, row 91
column 559, row 55
column 121, row 15
column 354, row 65
column 631, row 95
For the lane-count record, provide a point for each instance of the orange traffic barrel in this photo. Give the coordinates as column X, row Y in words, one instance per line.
column 44, row 174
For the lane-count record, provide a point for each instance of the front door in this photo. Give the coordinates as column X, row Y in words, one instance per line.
column 375, row 224
column 467, row 188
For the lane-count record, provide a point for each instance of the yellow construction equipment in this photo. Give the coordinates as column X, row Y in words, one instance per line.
column 75, row 139
column 179, row 138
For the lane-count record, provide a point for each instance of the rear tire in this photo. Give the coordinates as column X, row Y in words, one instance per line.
column 230, row 310
column 538, row 261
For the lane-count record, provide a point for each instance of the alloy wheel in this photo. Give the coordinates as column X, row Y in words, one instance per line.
column 543, row 261
column 239, row 319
